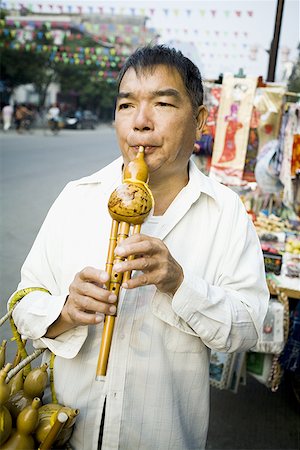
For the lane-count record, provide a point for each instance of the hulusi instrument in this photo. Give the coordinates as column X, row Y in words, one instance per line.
column 129, row 205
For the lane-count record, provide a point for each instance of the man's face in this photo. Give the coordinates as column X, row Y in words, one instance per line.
column 154, row 110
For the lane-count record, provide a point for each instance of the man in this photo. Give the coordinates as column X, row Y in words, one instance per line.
column 53, row 112
column 198, row 280
column 7, row 113
column 53, row 117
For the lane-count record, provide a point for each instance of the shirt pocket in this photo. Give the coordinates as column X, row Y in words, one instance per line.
column 181, row 342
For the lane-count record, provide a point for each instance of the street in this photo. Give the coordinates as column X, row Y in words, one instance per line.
column 34, row 169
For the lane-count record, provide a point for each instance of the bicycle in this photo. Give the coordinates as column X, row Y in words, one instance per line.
column 52, row 126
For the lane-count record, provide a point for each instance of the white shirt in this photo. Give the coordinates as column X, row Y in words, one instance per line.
column 157, row 385
column 53, row 112
column 7, row 111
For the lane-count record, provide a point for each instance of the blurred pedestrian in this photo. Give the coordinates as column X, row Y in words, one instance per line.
column 53, row 112
column 53, row 116
column 22, row 114
column 7, row 113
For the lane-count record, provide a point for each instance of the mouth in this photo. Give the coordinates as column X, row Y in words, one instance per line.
column 147, row 148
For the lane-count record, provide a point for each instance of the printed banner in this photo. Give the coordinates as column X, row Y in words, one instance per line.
column 232, row 132
column 264, row 124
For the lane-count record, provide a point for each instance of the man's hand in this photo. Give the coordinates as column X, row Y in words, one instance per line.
column 153, row 259
column 87, row 302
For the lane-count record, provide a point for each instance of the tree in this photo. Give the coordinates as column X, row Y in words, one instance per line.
column 37, row 61
column 294, row 80
column 91, row 91
column 21, row 63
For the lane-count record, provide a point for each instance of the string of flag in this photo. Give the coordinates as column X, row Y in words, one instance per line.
column 114, row 28
column 113, row 10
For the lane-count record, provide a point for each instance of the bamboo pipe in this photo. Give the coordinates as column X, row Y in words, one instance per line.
column 127, row 275
column 109, row 323
column 129, row 204
column 56, row 428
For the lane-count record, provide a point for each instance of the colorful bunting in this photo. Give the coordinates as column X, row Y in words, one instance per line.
column 90, row 8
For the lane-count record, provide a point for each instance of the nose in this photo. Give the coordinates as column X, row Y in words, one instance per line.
column 142, row 119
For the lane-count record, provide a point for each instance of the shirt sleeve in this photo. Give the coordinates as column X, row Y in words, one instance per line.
column 229, row 314
column 38, row 310
column 35, row 313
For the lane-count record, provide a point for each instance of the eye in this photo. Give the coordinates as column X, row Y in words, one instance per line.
column 164, row 104
column 124, row 106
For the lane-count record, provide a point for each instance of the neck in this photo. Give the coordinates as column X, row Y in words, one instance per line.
column 164, row 190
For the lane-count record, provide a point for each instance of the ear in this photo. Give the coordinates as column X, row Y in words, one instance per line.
column 201, row 118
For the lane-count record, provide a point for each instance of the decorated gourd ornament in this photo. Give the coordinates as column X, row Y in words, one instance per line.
column 36, row 381
column 2, row 353
column 16, row 383
column 47, row 417
column 34, row 386
column 27, row 422
column 5, row 417
column 132, row 201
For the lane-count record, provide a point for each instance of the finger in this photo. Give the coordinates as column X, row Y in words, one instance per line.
column 89, row 305
column 93, row 275
column 143, row 263
column 141, row 280
column 85, row 318
column 143, row 245
column 93, row 291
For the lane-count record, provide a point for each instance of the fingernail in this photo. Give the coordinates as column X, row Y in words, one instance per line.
column 117, row 267
column 104, row 277
column 125, row 285
column 112, row 298
column 98, row 318
column 119, row 251
column 112, row 309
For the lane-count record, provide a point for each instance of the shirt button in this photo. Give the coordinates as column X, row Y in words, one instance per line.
column 122, row 336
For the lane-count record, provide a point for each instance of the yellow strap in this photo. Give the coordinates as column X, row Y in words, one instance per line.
column 17, row 337
column 51, row 369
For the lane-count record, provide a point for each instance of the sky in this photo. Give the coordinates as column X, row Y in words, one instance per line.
column 219, row 36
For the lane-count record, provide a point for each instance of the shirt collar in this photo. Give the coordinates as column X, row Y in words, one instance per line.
column 200, row 183
column 111, row 176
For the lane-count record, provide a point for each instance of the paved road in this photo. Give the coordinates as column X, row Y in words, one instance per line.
column 34, row 169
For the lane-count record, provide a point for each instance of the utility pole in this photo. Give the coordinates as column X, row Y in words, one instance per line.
column 275, row 42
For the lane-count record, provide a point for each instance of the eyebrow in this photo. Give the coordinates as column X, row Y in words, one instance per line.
column 160, row 93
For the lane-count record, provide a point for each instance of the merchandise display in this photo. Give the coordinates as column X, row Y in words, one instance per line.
column 256, row 152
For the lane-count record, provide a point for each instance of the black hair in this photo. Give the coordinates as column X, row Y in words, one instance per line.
column 145, row 58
